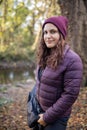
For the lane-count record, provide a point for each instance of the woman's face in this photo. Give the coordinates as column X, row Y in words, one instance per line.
column 51, row 35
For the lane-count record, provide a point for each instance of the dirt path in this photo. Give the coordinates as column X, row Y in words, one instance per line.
column 13, row 115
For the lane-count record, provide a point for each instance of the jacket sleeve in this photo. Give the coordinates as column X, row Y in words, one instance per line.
column 72, row 83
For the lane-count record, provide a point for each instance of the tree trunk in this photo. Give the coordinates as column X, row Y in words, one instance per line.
column 76, row 11
column 5, row 5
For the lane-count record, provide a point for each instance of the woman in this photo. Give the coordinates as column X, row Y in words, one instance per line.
column 59, row 75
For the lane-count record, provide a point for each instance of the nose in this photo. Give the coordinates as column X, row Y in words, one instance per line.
column 48, row 35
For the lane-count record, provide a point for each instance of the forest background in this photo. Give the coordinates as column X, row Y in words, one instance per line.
column 20, row 26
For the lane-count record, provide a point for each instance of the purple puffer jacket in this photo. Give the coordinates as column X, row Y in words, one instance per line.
column 58, row 89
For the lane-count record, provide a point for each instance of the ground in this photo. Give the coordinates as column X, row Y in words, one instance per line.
column 13, row 111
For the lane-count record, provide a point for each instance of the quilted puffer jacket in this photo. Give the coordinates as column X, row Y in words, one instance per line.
column 58, row 89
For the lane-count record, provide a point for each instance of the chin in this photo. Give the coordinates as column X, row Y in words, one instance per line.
column 50, row 46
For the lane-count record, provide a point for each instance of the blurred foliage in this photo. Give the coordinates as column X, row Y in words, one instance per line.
column 3, row 89
column 20, row 22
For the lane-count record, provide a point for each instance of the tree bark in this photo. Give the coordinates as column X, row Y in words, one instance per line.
column 76, row 11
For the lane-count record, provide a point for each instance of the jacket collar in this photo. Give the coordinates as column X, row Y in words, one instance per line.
column 66, row 49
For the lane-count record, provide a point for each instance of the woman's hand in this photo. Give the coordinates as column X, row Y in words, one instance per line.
column 41, row 121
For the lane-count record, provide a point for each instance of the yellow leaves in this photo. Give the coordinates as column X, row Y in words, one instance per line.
column 1, row 34
column 11, row 30
column 36, row 40
column 18, row 20
column 3, row 48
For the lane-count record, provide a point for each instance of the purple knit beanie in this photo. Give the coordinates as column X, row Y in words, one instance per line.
column 61, row 22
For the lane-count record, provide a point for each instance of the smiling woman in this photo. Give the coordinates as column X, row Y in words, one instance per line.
column 58, row 75
column 51, row 35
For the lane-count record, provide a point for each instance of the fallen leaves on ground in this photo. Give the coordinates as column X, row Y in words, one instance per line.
column 13, row 116
column 78, row 120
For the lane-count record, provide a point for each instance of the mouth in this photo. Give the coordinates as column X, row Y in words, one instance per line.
column 49, row 41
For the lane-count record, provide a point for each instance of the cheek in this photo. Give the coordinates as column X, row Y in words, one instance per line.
column 44, row 37
column 57, row 37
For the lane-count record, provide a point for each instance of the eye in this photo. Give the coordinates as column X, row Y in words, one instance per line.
column 53, row 31
column 45, row 32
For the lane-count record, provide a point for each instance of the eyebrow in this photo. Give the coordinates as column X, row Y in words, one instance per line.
column 51, row 30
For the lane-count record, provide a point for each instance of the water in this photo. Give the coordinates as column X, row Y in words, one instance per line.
column 13, row 75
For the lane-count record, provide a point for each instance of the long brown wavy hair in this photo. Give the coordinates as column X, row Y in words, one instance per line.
column 50, row 56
